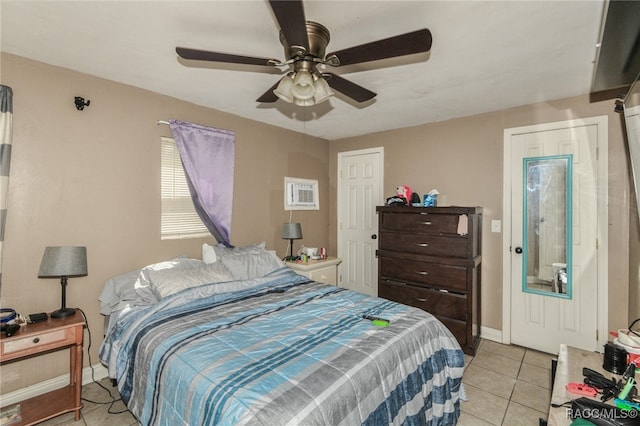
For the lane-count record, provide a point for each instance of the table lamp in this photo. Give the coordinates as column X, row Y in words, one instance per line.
column 291, row 231
column 63, row 262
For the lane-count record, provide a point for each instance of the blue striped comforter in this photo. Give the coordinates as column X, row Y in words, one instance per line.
column 284, row 351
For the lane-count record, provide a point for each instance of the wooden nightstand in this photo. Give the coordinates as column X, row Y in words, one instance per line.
column 322, row 271
column 35, row 339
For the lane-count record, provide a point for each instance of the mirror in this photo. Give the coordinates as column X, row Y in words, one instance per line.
column 547, row 225
column 631, row 107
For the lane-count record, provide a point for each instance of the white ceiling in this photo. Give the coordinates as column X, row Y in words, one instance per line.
column 486, row 55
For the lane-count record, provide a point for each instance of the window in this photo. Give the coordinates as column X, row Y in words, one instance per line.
column 178, row 216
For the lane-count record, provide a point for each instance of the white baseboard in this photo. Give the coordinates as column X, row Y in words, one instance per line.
column 491, row 334
column 99, row 373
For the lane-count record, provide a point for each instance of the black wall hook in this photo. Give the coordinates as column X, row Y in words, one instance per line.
column 80, row 103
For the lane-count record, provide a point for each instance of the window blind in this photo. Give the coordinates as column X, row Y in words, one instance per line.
column 178, row 216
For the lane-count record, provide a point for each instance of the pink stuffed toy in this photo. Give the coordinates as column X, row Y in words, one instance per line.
column 405, row 192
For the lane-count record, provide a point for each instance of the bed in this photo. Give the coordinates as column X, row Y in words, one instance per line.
column 243, row 339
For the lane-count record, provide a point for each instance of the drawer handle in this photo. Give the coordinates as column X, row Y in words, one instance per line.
column 426, row 222
column 421, row 299
column 422, row 244
column 36, row 340
column 422, row 273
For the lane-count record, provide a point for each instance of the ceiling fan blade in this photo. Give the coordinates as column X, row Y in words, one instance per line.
column 405, row 44
column 203, row 55
column 290, row 16
column 269, row 96
column 348, row 88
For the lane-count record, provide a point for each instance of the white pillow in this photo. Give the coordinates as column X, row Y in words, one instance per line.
column 142, row 285
column 165, row 282
column 252, row 265
column 213, row 253
column 208, row 253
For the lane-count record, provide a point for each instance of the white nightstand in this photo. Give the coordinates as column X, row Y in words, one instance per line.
column 322, row 271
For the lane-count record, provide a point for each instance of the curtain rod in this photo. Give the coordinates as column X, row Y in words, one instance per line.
column 162, row 122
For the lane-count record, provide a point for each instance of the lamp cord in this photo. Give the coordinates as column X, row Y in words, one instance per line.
column 93, row 379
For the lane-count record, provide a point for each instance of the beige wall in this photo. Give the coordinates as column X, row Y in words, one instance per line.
column 462, row 158
column 91, row 178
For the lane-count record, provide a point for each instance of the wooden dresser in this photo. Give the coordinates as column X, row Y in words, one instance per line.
column 430, row 258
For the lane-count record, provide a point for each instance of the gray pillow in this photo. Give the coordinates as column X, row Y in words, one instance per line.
column 211, row 254
column 252, row 265
column 118, row 289
column 165, row 282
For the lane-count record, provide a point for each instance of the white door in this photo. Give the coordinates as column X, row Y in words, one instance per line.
column 542, row 320
column 359, row 192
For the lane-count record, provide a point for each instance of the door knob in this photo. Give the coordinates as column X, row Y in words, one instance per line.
column 519, row 250
column 374, row 236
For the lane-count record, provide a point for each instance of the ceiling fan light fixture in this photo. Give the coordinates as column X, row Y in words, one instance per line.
column 283, row 91
column 304, row 102
column 303, row 87
column 323, row 91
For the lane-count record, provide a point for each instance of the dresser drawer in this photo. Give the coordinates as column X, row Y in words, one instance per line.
column 38, row 342
column 433, row 301
column 457, row 328
column 448, row 277
column 420, row 222
column 430, row 245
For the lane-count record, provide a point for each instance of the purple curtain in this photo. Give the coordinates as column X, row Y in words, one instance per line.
column 207, row 155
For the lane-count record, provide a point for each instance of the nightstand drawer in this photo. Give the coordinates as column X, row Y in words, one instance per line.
column 322, row 271
column 38, row 341
column 328, row 275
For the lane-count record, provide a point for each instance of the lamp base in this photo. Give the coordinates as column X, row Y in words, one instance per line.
column 63, row 313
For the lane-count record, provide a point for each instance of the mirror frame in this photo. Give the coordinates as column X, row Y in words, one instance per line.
column 568, row 228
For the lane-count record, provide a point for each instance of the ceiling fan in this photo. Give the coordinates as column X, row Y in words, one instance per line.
column 305, row 43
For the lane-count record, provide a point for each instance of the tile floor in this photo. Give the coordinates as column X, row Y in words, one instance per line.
column 504, row 385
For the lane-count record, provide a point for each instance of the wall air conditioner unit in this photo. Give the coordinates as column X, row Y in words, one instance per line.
column 301, row 194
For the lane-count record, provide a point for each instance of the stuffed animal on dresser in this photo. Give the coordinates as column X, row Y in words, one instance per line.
column 404, row 192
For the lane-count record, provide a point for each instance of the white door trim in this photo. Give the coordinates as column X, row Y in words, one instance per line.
column 340, row 206
column 603, row 219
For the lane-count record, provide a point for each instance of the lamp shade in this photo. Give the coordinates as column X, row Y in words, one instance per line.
column 291, row 231
column 65, row 261
column 323, row 91
column 303, row 87
column 283, row 91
